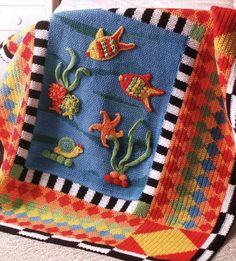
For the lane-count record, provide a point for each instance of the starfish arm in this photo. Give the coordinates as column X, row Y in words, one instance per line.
column 96, row 126
column 116, row 120
column 105, row 116
column 104, row 140
column 119, row 134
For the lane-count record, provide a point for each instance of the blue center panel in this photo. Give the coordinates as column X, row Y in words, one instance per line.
column 157, row 52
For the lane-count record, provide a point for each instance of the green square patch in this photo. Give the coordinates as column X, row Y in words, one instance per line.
column 214, row 78
column 142, row 209
column 16, row 171
column 197, row 32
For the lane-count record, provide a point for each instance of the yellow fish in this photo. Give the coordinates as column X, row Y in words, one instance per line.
column 104, row 48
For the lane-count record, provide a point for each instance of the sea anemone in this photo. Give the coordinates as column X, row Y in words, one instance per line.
column 70, row 106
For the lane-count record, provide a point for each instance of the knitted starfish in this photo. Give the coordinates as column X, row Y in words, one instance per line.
column 107, row 127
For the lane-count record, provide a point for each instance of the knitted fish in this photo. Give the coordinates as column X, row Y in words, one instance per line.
column 138, row 87
column 106, row 47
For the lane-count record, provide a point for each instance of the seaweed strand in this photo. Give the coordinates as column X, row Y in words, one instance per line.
column 115, row 150
column 130, row 144
column 76, row 81
column 69, row 67
column 143, row 157
column 57, row 73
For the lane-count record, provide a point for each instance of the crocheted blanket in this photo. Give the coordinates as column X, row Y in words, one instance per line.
column 118, row 132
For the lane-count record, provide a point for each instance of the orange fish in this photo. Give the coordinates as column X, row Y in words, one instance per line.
column 106, row 47
column 138, row 87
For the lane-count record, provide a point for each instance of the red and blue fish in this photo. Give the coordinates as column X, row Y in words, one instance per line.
column 104, row 48
column 139, row 87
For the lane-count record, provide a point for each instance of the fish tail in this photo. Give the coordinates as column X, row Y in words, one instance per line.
column 116, row 36
column 147, row 104
column 124, row 46
column 156, row 92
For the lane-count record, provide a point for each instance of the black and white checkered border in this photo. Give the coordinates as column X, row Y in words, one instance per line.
column 170, row 22
column 231, row 97
column 73, row 243
column 5, row 54
column 206, row 251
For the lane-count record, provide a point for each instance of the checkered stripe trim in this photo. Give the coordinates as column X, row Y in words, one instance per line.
column 39, row 54
column 71, row 242
column 231, row 97
column 178, row 25
column 73, row 189
column 223, row 224
column 5, row 54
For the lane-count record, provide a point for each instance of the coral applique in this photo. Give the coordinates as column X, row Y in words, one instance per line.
column 63, row 102
column 70, row 106
column 138, row 87
column 63, row 153
column 107, row 47
column 56, row 93
column 118, row 174
column 107, row 127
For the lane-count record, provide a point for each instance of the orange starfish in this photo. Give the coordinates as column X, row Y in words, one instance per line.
column 107, row 127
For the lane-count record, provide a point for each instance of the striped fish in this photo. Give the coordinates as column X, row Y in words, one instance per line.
column 106, row 47
column 138, row 87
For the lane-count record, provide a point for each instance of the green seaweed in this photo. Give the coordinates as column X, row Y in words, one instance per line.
column 44, row 139
column 115, row 99
column 78, row 26
column 63, row 79
column 91, row 31
column 124, row 165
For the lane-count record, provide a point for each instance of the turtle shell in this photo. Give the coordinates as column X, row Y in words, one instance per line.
column 66, row 144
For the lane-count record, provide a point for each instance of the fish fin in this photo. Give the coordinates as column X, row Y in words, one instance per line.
column 147, row 77
column 99, row 34
column 147, row 104
column 126, row 46
column 116, row 36
column 156, row 92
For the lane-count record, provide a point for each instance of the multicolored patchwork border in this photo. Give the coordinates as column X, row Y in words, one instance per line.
column 139, row 207
column 205, row 252
column 223, row 224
